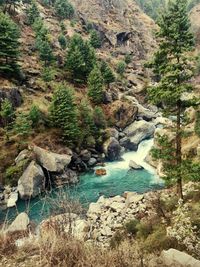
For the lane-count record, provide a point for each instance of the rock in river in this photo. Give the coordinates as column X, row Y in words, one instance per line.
column 133, row 165
column 112, row 149
column 32, row 181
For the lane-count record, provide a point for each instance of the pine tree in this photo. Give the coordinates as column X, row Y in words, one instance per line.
column 107, row 74
column 64, row 114
column 6, row 112
column 121, row 67
column 95, row 85
column 80, row 58
column 64, row 9
column 173, row 70
column 33, row 13
column 62, row 41
column 87, row 123
column 22, row 125
column 45, row 52
column 9, row 44
column 95, row 39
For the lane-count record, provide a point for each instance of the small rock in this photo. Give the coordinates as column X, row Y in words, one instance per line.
column 12, row 200
column 92, row 162
column 100, row 172
column 133, row 165
column 20, row 223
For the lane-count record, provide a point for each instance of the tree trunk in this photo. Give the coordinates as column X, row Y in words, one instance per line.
column 178, row 150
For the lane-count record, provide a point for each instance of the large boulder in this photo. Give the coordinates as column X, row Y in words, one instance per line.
column 12, row 94
column 139, row 130
column 122, row 113
column 127, row 144
column 173, row 257
column 67, row 177
column 32, row 181
column 20, row 223
column 52, row 162
column 112, row 149
column 12, row 200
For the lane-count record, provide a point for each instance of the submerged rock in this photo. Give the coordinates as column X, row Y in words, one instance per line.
column 32, row 181
column 20, row 223
column 52, row 162
column 133, row 165
column 100, row 172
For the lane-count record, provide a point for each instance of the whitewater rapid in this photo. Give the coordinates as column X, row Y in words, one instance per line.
column 138, row 157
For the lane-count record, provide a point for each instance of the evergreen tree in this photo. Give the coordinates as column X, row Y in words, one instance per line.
column 33, row 13
column 121, row 67
column 107, row 74
column 87, row 123
column 64, row 114
column 173, row 69
column 62, row 41
column 34, row 115
column 95, row 85
column 80, row 58
column 99, row 118
column 6, row 112
column 95, row 39
column 9, row 44
column 45, row 52
column 64, row 9
column 22, row 125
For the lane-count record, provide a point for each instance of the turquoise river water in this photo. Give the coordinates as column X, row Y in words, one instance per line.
column 119, row 179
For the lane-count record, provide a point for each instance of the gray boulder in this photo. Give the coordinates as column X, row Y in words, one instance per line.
column 53, row 162
column 133, row 165
column 20, row 223
column 92, row 162
column 112, row 149
column 127, row 144
column 85, row 155
column 67, row 177
column 12, row 200
column 32, row 181
column 139, row 131
column 24, row 154
column 173, row 257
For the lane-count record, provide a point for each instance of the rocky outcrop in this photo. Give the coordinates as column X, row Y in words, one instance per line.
column 12, row 200
column 32, row 182
column 139, row 130
column 122, row 113
column 52, row 162
column 20, row 223
column 133, row 165
column 67, row 177
column 112, row 149
column 12, row 94
column 173, row 257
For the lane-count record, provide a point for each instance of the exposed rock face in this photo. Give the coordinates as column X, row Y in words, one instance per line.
column 121, row 24
column 12, row 94
column 139, row 130
column 20, row 223
column 67, row 177
column 173, row 257
column 122, row 113
column 112, row 149
column 32, row 182
column 195, row 21
column 52, row 162
column 133, row 165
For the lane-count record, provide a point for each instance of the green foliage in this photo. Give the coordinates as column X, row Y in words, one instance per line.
column 80, row 58
column 95, row 39
column 62, row 27
column 131, row 227
column 34, row 115
column 48, row 74
column 107, row 73
column 128, row 58
column 13, row 173
column 64, row 9
column 22, row 125
column 116, row 240
column 95, row 86
column 62, row 41
column 197, row 123
column 33, row 13
column 45, row 52
column 64, row 114
column 121, row 67
column 6, row 112
column 87, row 124
column 99, row 118
column 9, row 45
column 198, row 65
